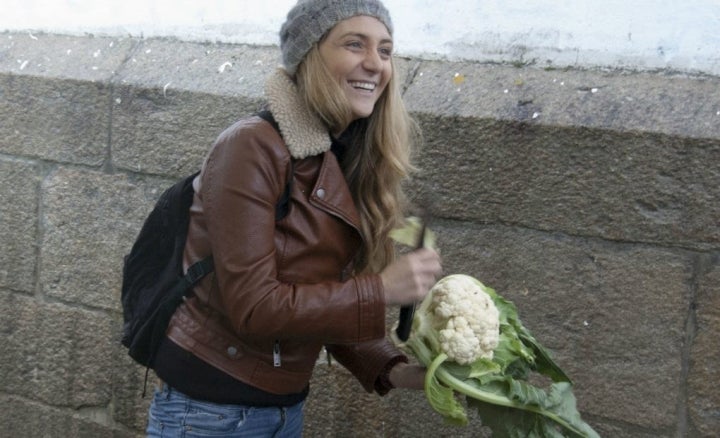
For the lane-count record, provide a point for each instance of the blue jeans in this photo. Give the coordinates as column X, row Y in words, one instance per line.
column 173, row 414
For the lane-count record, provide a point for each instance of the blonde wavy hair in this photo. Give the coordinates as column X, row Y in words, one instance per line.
column 378, row 160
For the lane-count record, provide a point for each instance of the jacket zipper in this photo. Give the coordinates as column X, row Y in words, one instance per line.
column 276, row 354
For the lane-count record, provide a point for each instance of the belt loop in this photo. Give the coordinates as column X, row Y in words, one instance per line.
column 283, row 416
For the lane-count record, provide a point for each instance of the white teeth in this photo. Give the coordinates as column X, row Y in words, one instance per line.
column 364, row 85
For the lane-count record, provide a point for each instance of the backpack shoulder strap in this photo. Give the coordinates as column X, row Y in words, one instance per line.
column 282, row 208
column 266, row 115
column 198, row 270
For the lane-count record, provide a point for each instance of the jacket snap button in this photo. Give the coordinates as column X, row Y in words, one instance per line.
column 232, row 351
column 320, row 193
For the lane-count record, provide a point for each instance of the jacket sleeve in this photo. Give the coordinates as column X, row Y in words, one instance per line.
column 369, row 362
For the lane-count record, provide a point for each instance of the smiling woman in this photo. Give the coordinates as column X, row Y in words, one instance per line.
column 357, row 52
column 238, row 356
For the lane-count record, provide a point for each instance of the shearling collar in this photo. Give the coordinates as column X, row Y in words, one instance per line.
column 303, row 132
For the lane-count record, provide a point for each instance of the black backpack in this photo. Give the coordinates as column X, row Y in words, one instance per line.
column 154, row 284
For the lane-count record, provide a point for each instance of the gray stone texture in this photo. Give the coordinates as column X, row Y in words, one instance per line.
column 129, row 407
column 618, row 186
column 55, row 96
column 19, row 192
column 545, row 155
column 704, row 372
column 169, row 106
column 90, row 220
column 53, row 353
column 26, row 418
column 588, row 198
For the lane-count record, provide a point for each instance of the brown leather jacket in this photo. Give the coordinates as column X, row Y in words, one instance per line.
column 281, row 290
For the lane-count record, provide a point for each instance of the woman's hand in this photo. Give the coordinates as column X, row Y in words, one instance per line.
column 407, row 376
column 409, row 278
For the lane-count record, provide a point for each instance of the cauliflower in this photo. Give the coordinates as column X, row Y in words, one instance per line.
column 476, row 349
column 466, row 318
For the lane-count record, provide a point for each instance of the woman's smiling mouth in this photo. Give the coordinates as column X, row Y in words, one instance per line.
column 369, row 86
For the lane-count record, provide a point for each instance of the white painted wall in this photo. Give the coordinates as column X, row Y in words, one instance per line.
column 682, row 35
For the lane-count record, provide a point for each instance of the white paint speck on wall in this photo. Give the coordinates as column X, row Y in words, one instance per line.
column 643, row 34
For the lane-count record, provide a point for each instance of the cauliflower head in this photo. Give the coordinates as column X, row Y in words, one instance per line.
column 465, row 316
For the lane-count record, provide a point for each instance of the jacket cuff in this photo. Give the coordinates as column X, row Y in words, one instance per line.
column 368, row 361
column 383, row 385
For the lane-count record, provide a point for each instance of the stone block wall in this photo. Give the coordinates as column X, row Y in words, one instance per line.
column 589, row 198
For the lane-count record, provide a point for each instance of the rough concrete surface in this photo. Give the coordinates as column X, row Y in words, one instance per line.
column 588, row 198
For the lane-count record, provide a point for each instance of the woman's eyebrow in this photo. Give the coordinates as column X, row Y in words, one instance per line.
column 365, row 37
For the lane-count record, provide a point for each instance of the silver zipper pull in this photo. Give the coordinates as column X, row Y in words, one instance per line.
column 276, row 354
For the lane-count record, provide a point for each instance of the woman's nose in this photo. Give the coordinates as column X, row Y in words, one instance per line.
column 372, row 61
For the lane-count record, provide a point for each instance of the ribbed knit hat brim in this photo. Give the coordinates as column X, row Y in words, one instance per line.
column 309, row 20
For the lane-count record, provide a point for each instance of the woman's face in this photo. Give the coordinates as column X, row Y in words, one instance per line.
column 358, row 53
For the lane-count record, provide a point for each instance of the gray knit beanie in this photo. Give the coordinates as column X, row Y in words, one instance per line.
column 309, row 20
